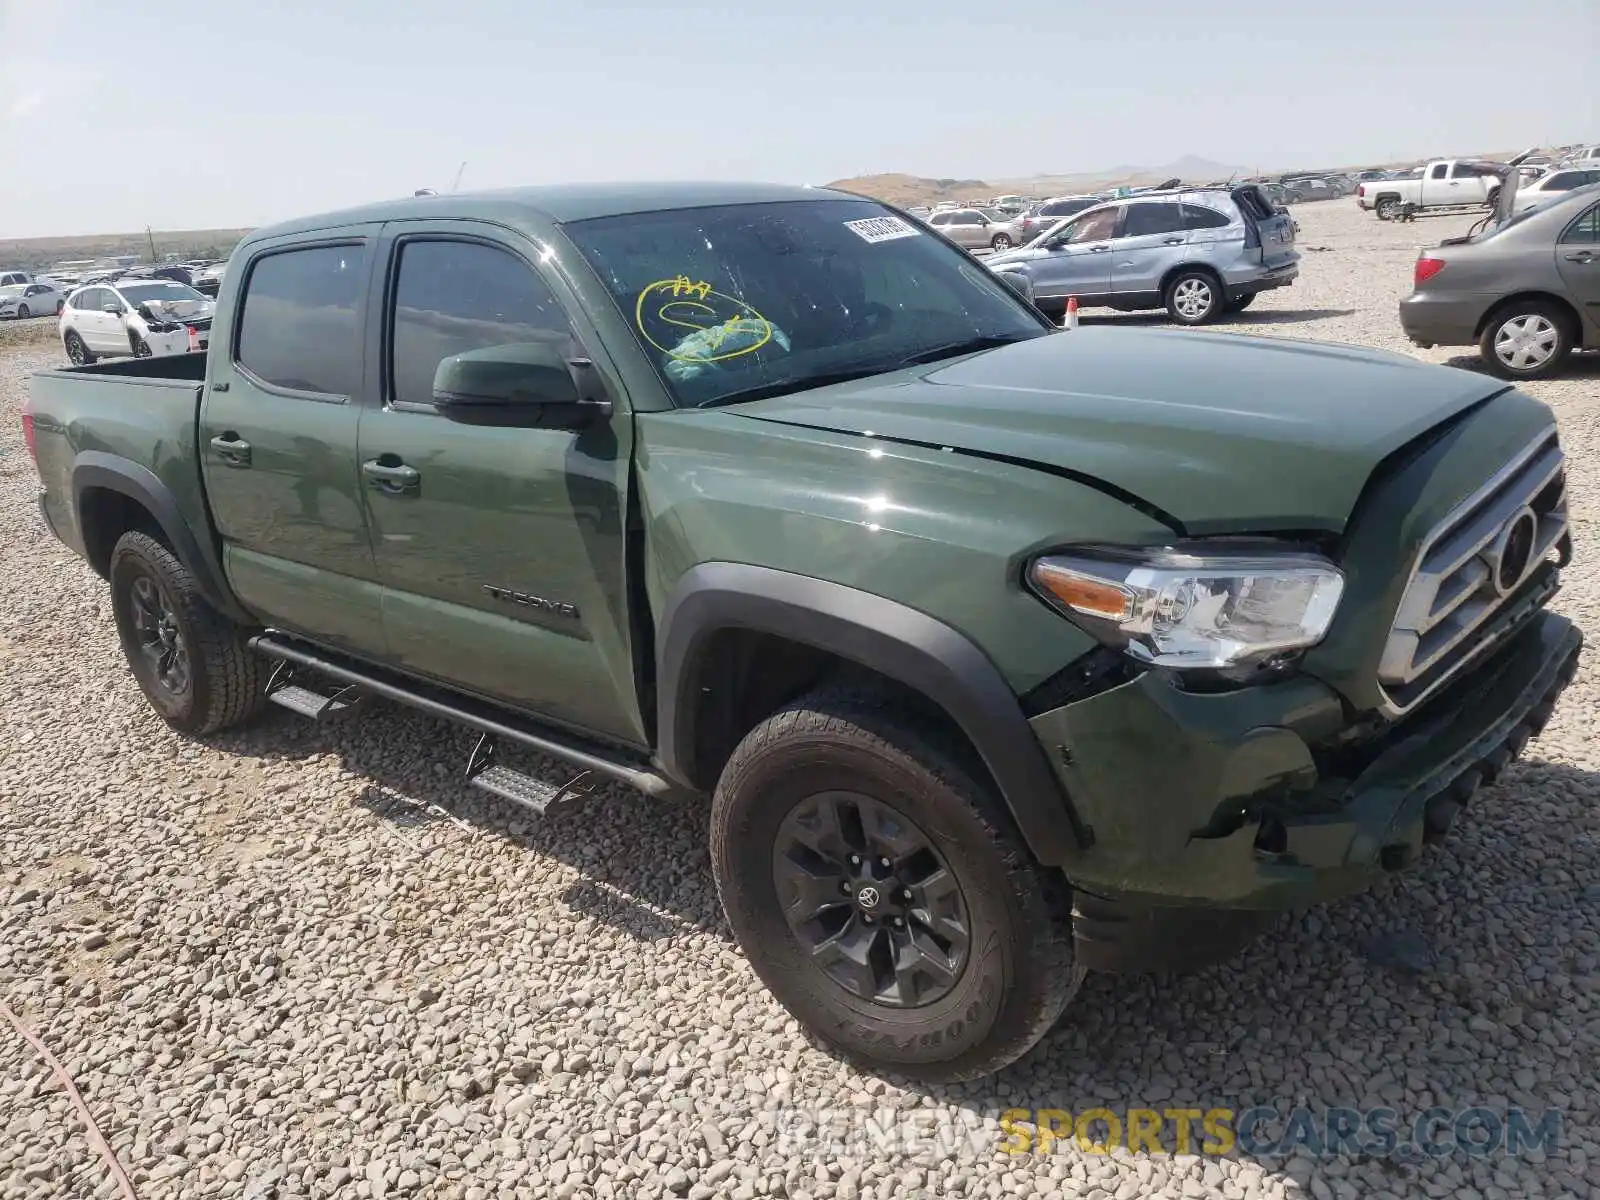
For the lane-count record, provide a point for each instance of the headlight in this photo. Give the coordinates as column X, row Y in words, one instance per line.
column 1179, row 610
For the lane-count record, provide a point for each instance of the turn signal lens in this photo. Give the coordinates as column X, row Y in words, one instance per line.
column 1084, row 593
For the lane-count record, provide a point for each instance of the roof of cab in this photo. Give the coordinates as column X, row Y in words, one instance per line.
column 559, row 203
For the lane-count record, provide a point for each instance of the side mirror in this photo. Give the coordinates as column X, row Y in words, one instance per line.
column 527, row 384
column 114, row 307
column 1018, row 283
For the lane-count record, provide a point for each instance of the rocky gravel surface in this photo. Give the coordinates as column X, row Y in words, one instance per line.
column 304, row 960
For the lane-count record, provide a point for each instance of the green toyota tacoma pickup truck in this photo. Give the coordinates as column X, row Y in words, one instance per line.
column 1000, row 653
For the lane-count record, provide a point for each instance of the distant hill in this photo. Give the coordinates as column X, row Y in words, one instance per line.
column 905, row 190
column 32, row 254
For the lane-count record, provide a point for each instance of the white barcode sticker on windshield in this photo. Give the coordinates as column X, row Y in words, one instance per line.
column 881, row 229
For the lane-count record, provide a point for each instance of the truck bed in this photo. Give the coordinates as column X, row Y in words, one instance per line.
column 126, row 426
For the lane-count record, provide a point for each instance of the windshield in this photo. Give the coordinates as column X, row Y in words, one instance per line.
column 766, row 298
column 157, row 293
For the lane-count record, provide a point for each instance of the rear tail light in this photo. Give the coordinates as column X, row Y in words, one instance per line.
column 1426, row 269
column 1361, row 189
column 30, row 437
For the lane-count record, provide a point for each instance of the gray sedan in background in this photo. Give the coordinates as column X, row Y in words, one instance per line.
column 1527, row 291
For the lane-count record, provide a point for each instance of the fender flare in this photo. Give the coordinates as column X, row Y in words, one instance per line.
column 111, row 472
column 901, row 643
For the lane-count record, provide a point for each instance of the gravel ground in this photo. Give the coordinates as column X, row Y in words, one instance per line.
column 303, row 960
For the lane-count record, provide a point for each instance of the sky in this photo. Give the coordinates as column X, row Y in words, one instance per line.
column 239, row 112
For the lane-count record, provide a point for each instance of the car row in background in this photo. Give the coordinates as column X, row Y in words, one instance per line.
column 1526, row 291
column 135, row 317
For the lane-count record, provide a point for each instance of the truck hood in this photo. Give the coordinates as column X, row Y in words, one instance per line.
column 1209, row 432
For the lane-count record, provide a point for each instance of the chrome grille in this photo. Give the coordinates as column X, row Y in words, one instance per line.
column 1469, row 565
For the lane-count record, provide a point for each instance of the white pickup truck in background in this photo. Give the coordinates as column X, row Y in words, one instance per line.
column 1447, row 183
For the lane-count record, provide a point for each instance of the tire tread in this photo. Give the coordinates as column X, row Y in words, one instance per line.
column 877, row 722
column 235, row 676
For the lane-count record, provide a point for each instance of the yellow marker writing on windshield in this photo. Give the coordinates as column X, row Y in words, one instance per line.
column 710, row 317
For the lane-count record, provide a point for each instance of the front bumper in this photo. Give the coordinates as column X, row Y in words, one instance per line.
column 1436, row 320
column 1211, row 813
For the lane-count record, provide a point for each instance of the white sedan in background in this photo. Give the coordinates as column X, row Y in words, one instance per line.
column 144, row 318
column 23, row 300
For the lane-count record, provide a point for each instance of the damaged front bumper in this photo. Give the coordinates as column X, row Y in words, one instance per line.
column 1212, row 813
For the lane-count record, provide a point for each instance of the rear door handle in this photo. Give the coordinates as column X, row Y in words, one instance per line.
column 1582, row 256
column 392, row 477
column 232, row 449
column 1172, row 241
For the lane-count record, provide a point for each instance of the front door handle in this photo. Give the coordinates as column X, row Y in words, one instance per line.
column 232, row 449
column 1098, row 249
column 1582, row 256
column 391, row 476
column 1177, row 241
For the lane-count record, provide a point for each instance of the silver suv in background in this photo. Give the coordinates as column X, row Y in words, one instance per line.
column 1197, row 252
column 978, row 228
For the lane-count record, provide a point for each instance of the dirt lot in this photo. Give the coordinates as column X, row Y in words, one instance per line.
column 303, row 960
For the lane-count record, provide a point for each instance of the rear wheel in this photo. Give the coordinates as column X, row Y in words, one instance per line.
column 77, row 353
column 1000, row 241
column 1388, row 208
column 1193, row 297
column 190, row 660
column 1527, row 339
column 880, row 892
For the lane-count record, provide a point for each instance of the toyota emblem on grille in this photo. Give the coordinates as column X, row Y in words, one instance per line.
column 1511, row 555
column 868, row 897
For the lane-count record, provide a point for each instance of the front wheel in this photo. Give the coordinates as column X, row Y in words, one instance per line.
column 1193, row 297
column 1000, row 241
column 1528, row 339
column 880, row 892
column 23, row 312
column 77, row 351
column 190, row 661
column 141, row 348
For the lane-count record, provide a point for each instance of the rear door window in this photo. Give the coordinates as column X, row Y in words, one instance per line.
column 1146, row 219
column 1585, row 230
column 299, row 327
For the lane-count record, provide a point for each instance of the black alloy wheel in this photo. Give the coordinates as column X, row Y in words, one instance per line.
column 866, row 893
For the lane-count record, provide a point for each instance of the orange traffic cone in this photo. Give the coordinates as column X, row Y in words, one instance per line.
column 1070, row 321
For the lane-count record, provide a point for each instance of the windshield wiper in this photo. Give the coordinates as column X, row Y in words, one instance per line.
column 794, row 383
column 967, row 346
